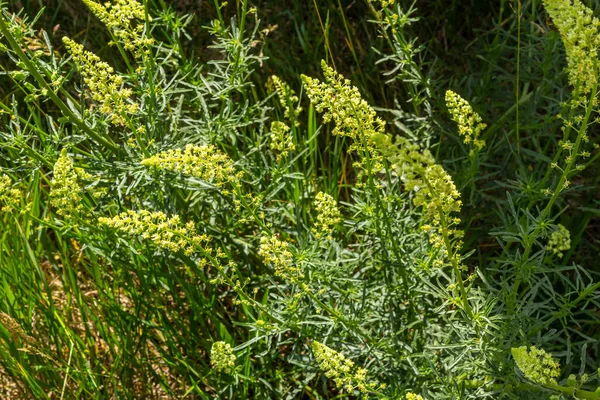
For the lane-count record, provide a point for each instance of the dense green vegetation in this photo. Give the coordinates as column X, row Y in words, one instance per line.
column 299, row 200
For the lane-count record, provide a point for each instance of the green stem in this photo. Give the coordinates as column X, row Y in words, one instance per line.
column 452, row 256
column 559, row 187
column 219, row 13
column 455, row 266
column 246, row 206
column 517, row 89
column 244, row 14
column 367, row 156
column 576, row 393
column 558, row 153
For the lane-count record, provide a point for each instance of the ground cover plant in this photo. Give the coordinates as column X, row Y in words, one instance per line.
column 299, row 200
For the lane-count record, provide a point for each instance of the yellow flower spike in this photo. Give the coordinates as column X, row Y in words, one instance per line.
column 341, row 370
column 119, row 16
column 65, row 191
column 10, row 198
column 287, row 98
column 204, row 162
column 222, row 358
column 353, row 116
column 469, row 122
column 434, row 187
column 104, row 84
column 281, row 140
column 560, row 241
column 536, row 365
column 277, row 253
column 17, row 332
column 384, row 3
column 328, row 214
column 164, row 232
column 579, row 32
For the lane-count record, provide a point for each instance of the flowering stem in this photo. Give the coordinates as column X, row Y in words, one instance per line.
column 375, row 192
column 571, row 163
column 453, row 258
column 244, row 14
column 386, row 220
column 240, row 292
column 455, row 266
column 50, row 92
column 473, row 154
column 219, row 14
column 559, row 187
column 246, row 206
column 558, row 153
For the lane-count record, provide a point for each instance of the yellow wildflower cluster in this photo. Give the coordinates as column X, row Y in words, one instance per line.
column 222, row 358
column 468, row 121
column 10, row 197
column 277, row 253
column 204, row 162
column 560, row 241
column 433, row 186
column 328, row 214
column 164, row 232
column 281, row 140
column 65, row 191
column 341, row 370
column 287, row 98
column 579, row 31
column 354, row 118
column 119, row 17
column 104, row 84
column 412, row 396
column 536, row 365
column 342, row 103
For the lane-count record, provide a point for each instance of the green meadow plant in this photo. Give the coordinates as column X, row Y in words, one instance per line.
column 206, row 225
